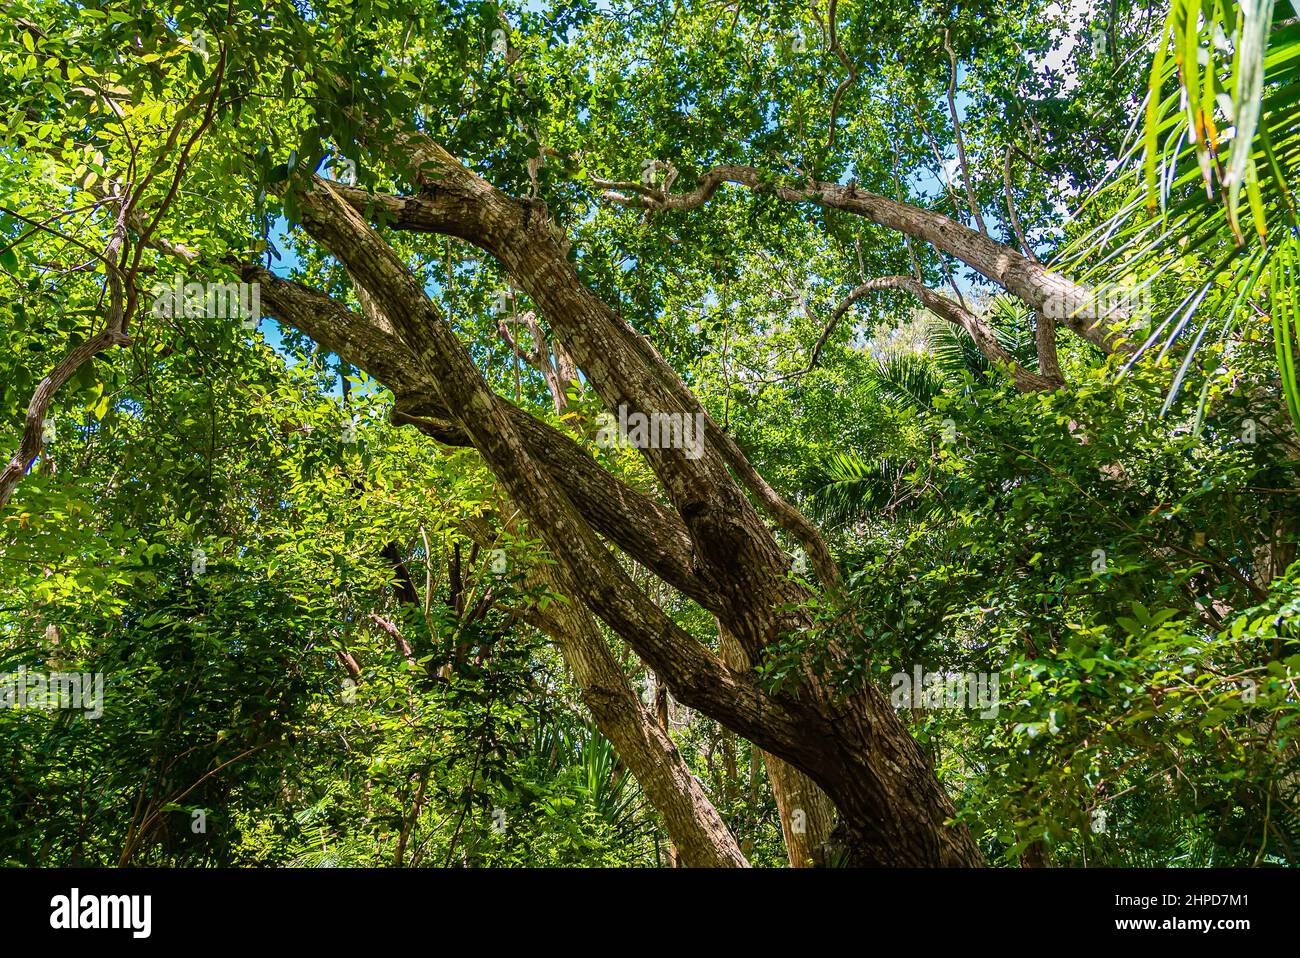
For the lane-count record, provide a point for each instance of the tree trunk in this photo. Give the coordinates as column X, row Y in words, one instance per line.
column 661, row 718
column 807, row 815
column 711, row 544
column 855, row 748
column 699, row 836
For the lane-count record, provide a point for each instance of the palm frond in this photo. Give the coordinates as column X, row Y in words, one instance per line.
column 856, row 488
column 906, row 378
column 1013, row 325
column 1209, row 181
column 953, row 350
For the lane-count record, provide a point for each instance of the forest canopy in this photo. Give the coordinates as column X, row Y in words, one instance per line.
column 708, row 434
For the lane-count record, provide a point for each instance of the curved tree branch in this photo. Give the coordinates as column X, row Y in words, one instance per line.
column 1037, row 286
column 849, row 65
column 943, row 307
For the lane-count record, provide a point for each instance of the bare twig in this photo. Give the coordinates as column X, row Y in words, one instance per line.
column 956, row 130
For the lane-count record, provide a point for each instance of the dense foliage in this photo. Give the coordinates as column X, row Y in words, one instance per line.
column 317, row 627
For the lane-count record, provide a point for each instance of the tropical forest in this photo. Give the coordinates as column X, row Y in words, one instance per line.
column 649, row 434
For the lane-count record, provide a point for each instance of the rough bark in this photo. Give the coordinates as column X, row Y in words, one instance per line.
column 699, row 835
column 641, row 527
column 894, row 810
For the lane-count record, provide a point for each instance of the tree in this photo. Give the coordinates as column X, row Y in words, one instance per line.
column 170, row 105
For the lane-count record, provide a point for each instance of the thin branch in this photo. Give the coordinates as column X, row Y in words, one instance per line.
column 1011, row 207
column 956, row 129
column 844, row 84
column 114, row 334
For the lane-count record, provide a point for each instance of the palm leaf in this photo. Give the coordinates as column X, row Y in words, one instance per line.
column 1222, row 120
column 856, row 488
column 906, row 378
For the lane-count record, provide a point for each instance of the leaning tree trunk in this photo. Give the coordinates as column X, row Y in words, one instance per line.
column 855, row 748
column 698, row 834
column 710, row 542
column 807, row 815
